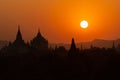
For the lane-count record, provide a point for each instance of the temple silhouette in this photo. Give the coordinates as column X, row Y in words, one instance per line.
column 19, row 40
column 35, row 60
column 19, row 46
column 39, row 42
column 73, row 46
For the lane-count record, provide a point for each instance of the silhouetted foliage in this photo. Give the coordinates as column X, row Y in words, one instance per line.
column 31, row 61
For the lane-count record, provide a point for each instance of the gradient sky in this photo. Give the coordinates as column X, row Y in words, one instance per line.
column 59, row 20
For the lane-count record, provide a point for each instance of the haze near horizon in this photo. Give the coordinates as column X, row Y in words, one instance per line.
column 59, row 20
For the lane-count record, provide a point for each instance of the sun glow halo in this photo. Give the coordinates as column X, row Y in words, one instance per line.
column 84, row 24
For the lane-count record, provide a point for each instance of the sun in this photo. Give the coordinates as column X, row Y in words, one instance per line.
column 84, row 24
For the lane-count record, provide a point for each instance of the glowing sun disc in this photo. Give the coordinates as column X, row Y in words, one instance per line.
column 84, row 24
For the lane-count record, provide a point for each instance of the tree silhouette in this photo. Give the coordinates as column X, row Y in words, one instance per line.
column 20, row 60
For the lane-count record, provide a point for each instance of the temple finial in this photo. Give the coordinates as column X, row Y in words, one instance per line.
column 39, row 34
column 73, row 46
column 18, row 27
column 19, row 35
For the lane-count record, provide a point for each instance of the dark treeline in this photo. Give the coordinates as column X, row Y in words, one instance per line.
column 19, row 61
column 58, row 63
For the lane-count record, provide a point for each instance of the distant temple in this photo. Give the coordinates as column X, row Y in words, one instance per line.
column 19, row 41
column 73, row 46
column 73, row 50
column 19, row 45
column 39, row 42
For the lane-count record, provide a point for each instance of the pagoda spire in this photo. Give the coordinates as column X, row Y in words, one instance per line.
column 19, row 27
column 19, row 35
column 19, row 41
column 73, row 46
column 38, row 34
column 39, row 42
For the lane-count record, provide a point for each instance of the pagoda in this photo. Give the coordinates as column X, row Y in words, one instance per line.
column 19, row 41
column 39, row 42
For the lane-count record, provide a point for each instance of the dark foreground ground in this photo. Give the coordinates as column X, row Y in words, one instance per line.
column 56, row 65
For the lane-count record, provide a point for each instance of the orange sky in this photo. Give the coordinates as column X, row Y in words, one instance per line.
column 59, row 20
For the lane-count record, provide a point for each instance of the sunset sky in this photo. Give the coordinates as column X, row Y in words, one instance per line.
column 59, row 20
